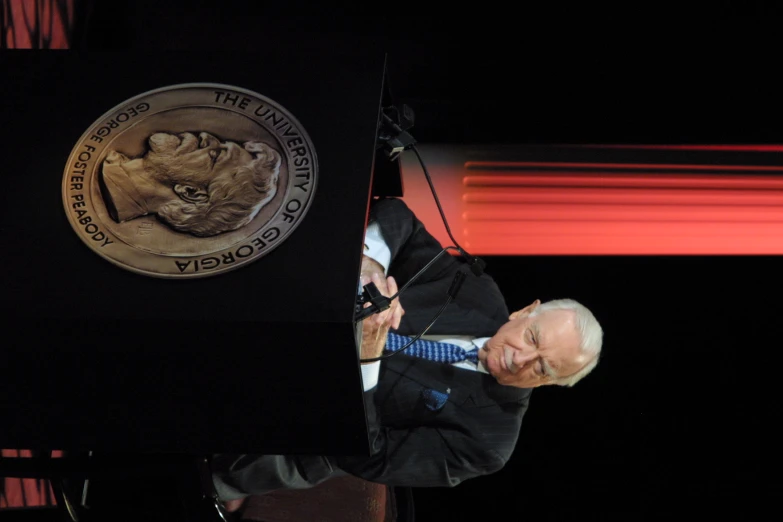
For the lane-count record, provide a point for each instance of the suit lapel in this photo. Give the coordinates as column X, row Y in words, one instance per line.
column 461, row 385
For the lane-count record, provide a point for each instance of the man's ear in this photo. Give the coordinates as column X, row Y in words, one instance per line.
column 525, row 311
column 191, row 194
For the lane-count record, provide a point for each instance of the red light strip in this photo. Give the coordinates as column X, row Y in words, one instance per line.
column 729, row 207
column 524, row 208
column 621, row 213
column 580, row 179
column 611, row 243
column 614, row 166
column 732, row 148
column 598, row 196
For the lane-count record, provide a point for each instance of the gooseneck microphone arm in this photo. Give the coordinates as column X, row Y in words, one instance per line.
column 477, row 264
column 394, row 139
column 456, row 284
column 379, row 302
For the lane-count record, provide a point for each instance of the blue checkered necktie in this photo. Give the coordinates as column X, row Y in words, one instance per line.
column 431, row 350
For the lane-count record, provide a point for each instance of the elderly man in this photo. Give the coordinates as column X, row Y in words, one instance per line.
column 436, row 423
column 196, row 185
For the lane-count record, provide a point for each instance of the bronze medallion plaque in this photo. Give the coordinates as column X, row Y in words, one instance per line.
column 190, row 180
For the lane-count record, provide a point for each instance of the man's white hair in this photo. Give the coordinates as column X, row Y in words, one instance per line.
column 590, row 332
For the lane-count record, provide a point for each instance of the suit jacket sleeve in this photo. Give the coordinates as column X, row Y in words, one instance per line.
column 479, row 305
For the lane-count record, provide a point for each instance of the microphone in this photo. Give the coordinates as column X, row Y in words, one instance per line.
column 454, row 288
column 456, row 284
column 379, row 302
column 394, row 138
column 477, row 264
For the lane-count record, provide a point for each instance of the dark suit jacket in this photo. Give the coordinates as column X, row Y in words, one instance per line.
column 476, row 430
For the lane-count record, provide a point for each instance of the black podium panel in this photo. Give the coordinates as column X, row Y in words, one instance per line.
column 261, row 358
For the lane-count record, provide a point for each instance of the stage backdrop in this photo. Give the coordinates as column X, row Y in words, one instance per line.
column 581, row 200
column 523, row 200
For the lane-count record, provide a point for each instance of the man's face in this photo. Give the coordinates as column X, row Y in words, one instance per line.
column 193, row 160
column 531, row 351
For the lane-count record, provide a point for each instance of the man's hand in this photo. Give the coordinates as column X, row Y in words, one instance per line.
column 234, row 505
column 375, row 327
column 369, row 267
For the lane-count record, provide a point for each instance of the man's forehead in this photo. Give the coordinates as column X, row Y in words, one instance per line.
column 556, row 327
column 555, row 319
column 562, row 341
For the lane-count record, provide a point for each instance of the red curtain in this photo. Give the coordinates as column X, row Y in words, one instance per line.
column 37, row 24
column 17, row 492
column 32, row 24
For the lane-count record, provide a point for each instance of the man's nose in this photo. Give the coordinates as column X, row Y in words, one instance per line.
column 521, row 357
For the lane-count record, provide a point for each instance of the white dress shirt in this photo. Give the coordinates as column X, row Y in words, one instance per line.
column 376, row 248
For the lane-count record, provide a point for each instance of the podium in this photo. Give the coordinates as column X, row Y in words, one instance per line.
column 261, row 358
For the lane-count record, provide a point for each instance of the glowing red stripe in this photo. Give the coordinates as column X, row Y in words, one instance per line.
column 738, row 148
column 641, row 166
column 509, row 215
column 507, row 230
column 627, row 245
column 625, row 196
column 574, row 179
column 603, row 208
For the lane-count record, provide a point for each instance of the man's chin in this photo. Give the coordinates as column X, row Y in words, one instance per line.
column 492, row 365
column 496, row 370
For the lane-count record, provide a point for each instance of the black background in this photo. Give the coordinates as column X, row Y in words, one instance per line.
column 681, row 416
